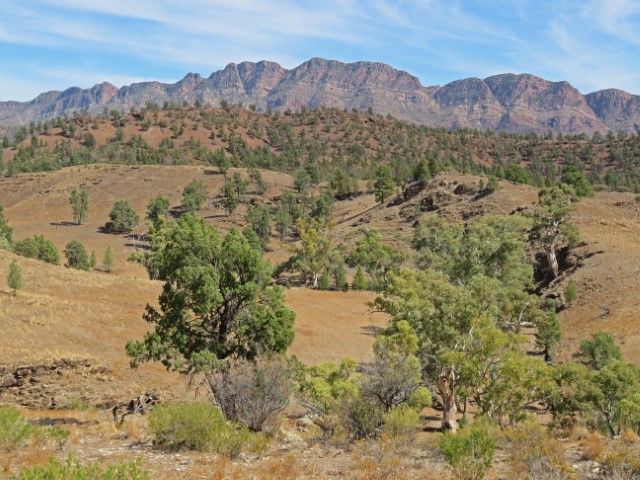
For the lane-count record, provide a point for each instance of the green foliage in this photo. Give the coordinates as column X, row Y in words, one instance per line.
column 79, row 200
column 14, row 277
column 77, row 256
column 359, row 280
column 259, row 220
column 92, row 259
column 283, row 222
column 230, row 197
column 157, row 208
column 571, row 293
column 362, row 418
column 314, row 253
column 5, row 231
column 123, row 217
column 549, row 332
column 492, row 184
column 470, row 452
column 39, row 248
column 377, row 258
column 517, row 174
column 322, row 387
column 14, row 429
column 196, row 426
column 383, row 185
column 193, row 195
column 573, row 177
column 598, row 351
column 401, row 422
column 215, row 303
column 108, row 261
column 72, row 469
column 58, row 435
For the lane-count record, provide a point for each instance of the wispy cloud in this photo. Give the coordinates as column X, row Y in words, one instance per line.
column 592, row 44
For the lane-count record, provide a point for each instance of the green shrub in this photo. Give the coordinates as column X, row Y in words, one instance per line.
column 401, row 422
column 39, row 248
column 362, row 418
column 469, row 452
column 71, row 469
column 14, row 429
column 58, row 435
column 196, row 426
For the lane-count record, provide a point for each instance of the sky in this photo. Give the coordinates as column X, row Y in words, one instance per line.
column 55, row 44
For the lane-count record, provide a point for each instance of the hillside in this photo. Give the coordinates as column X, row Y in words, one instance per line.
column 508, row 102
column 65, row 330
column 323, row 142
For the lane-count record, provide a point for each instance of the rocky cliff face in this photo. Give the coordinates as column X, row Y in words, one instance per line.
column 514, row 103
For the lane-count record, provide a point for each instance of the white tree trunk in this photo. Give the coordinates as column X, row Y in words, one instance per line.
column 446, row 386
column 550, row 250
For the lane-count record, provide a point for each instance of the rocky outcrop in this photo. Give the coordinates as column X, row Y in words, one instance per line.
column 509, row 102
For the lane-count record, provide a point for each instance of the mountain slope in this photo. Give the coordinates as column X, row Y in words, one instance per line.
column 508, row 102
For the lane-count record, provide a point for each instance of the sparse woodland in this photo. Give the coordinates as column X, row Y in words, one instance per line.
column 465, row 380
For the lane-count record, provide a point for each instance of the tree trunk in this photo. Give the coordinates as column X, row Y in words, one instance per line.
column 446, row 385
column 550, row 250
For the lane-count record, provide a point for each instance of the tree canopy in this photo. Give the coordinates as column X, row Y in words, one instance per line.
column 216, row 301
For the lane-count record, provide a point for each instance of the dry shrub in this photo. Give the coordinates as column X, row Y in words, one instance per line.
column 593, row 447
column 623, row 463
column 378, row 460
column 250, row 393
column 135, row 429
column 285, row 468
column 535, row 455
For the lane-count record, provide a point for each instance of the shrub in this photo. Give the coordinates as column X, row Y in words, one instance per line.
column 469, row 452
column 13, row 429
column 362, row 418
column 39, row 248
column 71, row 469
column 196, row 426
column 401, row 422
column 123, row 218
column 251, row 392
column 77, row 256
column 534, row 454
column 623, row 464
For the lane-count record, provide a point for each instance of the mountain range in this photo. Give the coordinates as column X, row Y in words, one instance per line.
column 508, row 102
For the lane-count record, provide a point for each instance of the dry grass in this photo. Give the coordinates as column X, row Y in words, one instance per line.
column 593, row 447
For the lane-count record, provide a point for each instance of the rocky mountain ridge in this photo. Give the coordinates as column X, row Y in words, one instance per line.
column 507, row 102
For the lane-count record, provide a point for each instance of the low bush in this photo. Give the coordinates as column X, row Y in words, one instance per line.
column 469, row 452
column 14, row 429
column 535, row 455
column 71, row 469
column 403, row 422
column 198, row 426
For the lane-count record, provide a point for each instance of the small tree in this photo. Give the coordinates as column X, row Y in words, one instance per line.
column 92, row 259
column 14, row 279
column 5, row 231
column 123, row 217
column 193, row 195
column 79, row 200
column 383, row 185
column 230, row 198
column 77, row 256
column 157, row 208
column 107, row 261
column 359, row 280
column 599, row 351
column 283, row 222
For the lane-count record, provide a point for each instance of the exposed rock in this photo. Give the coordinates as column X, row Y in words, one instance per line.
column 509, row 102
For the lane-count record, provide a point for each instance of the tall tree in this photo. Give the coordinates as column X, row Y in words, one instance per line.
column 79, row 200
column 312, row 256
column 230, row 197
column 216, row 301
column 377, row 258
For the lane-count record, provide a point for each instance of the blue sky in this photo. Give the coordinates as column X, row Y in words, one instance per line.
column 55, row 44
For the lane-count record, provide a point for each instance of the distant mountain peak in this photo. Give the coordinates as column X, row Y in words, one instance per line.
column 512, row 102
